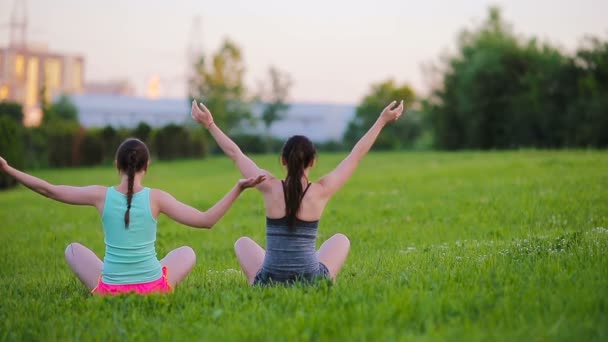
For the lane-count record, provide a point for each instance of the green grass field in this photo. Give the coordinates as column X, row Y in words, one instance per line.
column 444, row 246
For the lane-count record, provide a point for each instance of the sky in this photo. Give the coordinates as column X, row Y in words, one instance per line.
column 333, row 50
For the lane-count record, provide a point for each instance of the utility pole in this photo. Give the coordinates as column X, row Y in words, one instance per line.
column 194, row 51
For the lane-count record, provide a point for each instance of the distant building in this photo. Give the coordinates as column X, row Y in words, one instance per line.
column 28, row 75
column 117, row 87
column 128, row 111
column 320, row 122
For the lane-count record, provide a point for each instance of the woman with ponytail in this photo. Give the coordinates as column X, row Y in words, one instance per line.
column 129, row 213
column 294, row 206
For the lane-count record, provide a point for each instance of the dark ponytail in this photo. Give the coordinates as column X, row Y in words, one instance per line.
column 298, row 153
column 132, row 157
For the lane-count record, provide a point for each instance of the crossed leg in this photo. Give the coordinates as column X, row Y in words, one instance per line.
column 87, row 266
column 84, row 263
column 179, row 262
column 251, row 257
column 333, row 253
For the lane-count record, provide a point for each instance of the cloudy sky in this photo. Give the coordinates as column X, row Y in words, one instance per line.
column 333, row 50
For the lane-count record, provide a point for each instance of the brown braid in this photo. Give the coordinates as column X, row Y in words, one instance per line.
column 132, row 157
column 130, row 181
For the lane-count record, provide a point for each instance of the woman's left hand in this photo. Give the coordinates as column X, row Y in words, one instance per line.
column 201, row 114
column 3, row 164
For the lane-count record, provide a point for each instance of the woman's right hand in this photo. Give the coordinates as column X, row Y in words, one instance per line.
column 201, row 114
column 391, row 113
column 250, row 182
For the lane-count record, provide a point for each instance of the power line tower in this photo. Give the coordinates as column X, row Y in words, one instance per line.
column 18, row 25
column 194, row 51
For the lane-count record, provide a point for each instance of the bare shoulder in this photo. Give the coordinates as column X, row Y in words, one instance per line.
column 158, row 200
column 273, row 182
column 158, row 195
column 156, row 192
column 270, row 183
column 97, row 195
column 319, row 190
column 99, row 191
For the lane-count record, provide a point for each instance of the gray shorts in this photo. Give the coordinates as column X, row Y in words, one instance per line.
column 265, row 278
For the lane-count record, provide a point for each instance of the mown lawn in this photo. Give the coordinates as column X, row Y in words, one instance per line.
column 456, row 246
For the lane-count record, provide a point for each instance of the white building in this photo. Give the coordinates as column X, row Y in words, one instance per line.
column 128, row 111
column 320, row 122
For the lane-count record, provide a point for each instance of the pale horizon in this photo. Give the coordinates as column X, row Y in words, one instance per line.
column 333, row 51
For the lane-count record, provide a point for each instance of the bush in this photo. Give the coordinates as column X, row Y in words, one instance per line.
column 169, row 142
column 198, row 143
column 331, row 146
column 173, row 142
column 12, row 110
column 111, row 139
column 143, row 132
column 62, row 144
column 36, row 147
column 92, row 148
column 250, row 143
column 11, row 148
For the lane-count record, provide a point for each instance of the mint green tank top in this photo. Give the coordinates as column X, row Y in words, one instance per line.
column 130, row 252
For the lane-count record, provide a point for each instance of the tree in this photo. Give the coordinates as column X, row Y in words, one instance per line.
column 143, row 132
column 11, row 148
column 500, row 91
column 218, row 82
column 588, row 116
column 61, row 110
column 402, row 133
column 273, row 99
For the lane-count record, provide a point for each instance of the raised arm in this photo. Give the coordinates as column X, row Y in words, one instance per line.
column 192, row 217
column 246, row 166
column 88, row 195
column 334, row 180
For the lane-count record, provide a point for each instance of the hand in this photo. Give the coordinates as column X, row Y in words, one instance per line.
column 3, row 164
column 392, row 113
column 201, row 114
column 250, row 182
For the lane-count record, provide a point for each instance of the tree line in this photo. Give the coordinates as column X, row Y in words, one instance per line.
column 62, row 142
column 498, row 91
column 501, row 91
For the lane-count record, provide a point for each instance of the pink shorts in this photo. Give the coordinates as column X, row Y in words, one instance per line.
column 157, row 286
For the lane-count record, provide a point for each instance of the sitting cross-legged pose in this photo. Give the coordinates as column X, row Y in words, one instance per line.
column 294, row 206
column 129, row 212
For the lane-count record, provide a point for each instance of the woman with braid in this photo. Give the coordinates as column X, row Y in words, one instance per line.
column 129, row 212
column 294, row 206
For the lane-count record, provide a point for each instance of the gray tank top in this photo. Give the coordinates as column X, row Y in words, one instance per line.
column 291, row 251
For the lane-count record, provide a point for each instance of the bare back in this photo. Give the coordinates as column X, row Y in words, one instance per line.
column 313, row 202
